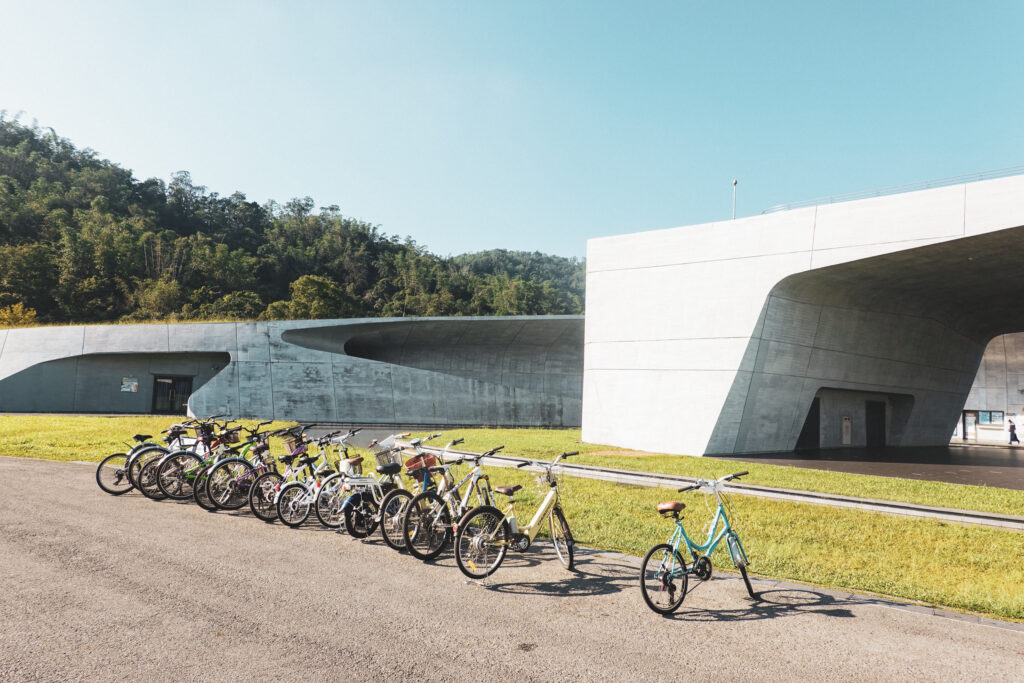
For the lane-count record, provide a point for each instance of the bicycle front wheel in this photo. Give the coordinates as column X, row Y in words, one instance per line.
column 561, row 537
column 663, row 579
column 361, row 515
column 148, row 481
column 228, row 483
column 482, row 542
column 112, row 474
column 427, row 527
column 392, row 518
column 199, row 489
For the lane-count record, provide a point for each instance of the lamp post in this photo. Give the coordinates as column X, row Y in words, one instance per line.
column 734, row 198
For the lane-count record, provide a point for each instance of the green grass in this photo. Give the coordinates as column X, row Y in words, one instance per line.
column 547, row 443
column 80, row 437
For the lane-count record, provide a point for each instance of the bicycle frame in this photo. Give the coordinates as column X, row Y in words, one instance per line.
column 531, row 530
column 715, row 536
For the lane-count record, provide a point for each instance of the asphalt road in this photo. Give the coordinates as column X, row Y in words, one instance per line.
column 97, row 587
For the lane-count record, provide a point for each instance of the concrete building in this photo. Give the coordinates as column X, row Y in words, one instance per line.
column 511, row 371
column 852, row 323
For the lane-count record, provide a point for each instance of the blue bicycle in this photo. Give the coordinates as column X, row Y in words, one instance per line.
column 664, row 573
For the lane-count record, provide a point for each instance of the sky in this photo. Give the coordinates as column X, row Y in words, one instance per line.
column 526, row 125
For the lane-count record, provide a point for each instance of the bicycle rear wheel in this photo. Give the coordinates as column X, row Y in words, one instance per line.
column 481, row 542
column 199, row 494
column 392, row 518
column 361, row 516
column 427, row 527
column 561, row 537
column 329, row 501
column 137, row 460
column 263, row 496
column 293, row 504
column 663, row 579
column 112, row 474
column 147, row 480
column 177, row 473
column 228, row 483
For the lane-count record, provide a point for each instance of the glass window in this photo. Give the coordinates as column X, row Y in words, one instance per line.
column 983, row 417
column 997, row 417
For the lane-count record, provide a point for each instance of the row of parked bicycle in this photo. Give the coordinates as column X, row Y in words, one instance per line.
column 226, row 466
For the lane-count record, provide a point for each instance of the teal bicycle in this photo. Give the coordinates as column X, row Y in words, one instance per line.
column 664, row 574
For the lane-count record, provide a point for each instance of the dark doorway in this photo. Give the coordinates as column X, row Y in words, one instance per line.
column 170, row 394
column 810, row 435
column 874, row 415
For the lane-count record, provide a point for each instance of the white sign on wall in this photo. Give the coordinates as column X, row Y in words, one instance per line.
column 129, row 384
column 847, row 430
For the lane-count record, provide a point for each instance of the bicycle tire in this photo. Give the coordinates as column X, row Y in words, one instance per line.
column 392, row 518
column 148, row 483
column 662, row 583
column 228, row 483
column 112, row 474
column 290, row 511
column 425, row 517
column 361, row 517
column 481, row 541
column 139, row 458
column 329, row 501
column 263, row 496
column 561, row 538
column 746, row 580
column 177, row 473
column 199, row 490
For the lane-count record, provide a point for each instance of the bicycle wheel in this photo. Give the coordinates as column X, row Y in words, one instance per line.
column 148, row 481
column 228, row 484
column 663, row 579
column 263, row 496
column 177, row 473
column 138, row 460
column 361, row 516
column 561, row 537
column 392, row 518
column 329, row 501
column 481, row 541
column 739, row 559
column 199, row 494
column 293, row 504
column 427, row 527
column 112, row 474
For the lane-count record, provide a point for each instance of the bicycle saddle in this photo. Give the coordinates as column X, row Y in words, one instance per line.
column 390, row 468
column 671, row 506
column 306, row 460
column 287, row 459
column 142, row 437
column 507, row 490
column 354, row 461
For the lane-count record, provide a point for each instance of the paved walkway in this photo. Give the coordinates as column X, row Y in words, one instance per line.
column 98, row 587
column 1001, row 466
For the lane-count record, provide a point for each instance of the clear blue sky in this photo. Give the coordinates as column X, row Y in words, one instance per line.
column 526, row 125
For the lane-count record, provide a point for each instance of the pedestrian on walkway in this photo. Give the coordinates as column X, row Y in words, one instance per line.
column 1013, row 433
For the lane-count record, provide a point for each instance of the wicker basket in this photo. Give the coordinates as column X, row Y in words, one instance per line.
column 293, row 444
column 231, row 435
column 388, row 456
column 417, row 466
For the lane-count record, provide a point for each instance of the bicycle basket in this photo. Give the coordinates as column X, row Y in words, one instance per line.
column 388, row 456
column 292, row 444
column 420, row 463
column 231, row 435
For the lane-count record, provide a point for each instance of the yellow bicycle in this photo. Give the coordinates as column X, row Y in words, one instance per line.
column 485, row 534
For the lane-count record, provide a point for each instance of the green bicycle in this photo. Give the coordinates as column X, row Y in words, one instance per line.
column 664, row 573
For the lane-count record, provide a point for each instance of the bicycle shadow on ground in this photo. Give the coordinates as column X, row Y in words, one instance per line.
column 591, row 575
column 770, row 604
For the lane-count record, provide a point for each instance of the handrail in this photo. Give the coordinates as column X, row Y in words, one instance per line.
column 899, row 189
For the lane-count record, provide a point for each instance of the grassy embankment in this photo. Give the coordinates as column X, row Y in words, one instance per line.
column 962, row 567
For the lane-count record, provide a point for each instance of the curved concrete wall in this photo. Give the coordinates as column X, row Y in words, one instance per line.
column 735, row 327
column 514, row 371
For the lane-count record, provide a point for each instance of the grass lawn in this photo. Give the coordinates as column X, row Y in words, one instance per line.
column 547, row 443
column 962, row 567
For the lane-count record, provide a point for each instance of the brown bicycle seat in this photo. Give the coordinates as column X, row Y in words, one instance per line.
column 354, row 461
column 507, row 490
column 671, row 507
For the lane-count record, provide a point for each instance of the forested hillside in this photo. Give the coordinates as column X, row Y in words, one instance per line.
column 81, row 240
